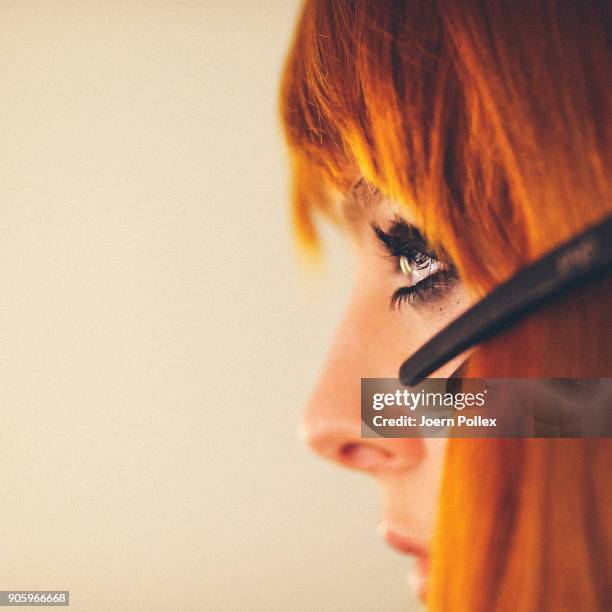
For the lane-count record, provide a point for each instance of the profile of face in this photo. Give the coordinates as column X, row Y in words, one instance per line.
column 403, row 294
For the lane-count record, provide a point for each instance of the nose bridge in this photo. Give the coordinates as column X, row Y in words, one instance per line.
column 332, row 419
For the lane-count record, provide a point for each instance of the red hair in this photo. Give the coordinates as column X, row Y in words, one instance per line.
column 489, row 121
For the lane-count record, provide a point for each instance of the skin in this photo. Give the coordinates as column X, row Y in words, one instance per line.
column 372, row 341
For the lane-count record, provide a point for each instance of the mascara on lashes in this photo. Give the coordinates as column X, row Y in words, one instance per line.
column 404, row 240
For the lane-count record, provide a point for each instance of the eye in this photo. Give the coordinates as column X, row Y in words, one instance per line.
column 419, row 267
column 428, row 278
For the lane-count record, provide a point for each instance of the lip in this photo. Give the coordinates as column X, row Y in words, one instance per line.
column 400, row 541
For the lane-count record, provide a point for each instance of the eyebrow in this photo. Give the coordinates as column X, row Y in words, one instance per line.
column 365, row 193
column 361, row 197
column 400, row 236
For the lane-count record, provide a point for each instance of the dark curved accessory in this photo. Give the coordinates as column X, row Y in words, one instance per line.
column 583, row 258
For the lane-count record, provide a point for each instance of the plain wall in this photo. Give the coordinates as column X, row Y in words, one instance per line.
column 158, row 336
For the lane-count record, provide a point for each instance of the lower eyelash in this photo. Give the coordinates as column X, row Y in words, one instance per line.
column 427, row 291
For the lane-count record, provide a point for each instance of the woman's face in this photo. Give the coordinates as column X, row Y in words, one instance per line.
column 402, row 296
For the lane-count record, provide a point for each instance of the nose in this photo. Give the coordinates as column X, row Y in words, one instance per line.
column 332, row 420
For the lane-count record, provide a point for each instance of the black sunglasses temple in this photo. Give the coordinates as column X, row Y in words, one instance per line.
column 585, row 257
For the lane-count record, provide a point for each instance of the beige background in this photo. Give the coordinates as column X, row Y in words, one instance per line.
column 158, row 337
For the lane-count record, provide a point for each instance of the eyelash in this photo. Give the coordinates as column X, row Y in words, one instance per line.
column 428, row 290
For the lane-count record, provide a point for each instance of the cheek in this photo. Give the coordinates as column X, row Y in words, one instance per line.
column 399, row 333
column 437, row 314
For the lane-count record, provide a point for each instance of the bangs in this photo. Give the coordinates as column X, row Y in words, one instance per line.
column 487, row 132
column 369, row 90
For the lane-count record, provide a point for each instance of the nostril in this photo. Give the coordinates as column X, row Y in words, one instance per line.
column 363, row 457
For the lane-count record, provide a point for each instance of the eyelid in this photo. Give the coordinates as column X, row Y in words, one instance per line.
column 402, row 239
column 426, row 292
